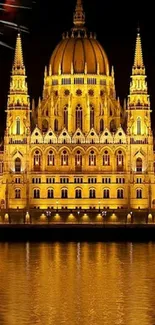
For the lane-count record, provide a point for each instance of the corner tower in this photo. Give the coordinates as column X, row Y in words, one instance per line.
column 17, row 134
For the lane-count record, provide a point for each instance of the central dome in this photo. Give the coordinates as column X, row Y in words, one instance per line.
column 79, row 52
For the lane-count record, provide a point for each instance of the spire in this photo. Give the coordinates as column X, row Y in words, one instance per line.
column 79, row 15
column 138, row 67
column 18, row 66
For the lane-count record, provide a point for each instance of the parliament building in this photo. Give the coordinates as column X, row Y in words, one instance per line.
column 78, row 149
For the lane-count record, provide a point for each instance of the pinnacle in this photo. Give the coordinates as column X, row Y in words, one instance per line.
column 138, row 61
column 79, row 15
column 18, row 59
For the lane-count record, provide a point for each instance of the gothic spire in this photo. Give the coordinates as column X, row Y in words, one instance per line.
column 79, row 15
column 138, row 67
column 18, row 66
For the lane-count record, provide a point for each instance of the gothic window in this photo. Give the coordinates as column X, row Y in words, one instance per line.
column 64, row 193
column 55, row 125
column 37, row 159
column 36, row 194
column 139, row 193
column 78, row 159
column 92, row 193
column 112, row 126
column 106, row 194
column 78, row 193
column 17, row 193
column 17, row 165
column 139, row 165
column 92, row 158
column 18, row 126
column 106, row 158
column 66, row 116
column 138, row 126
column 44, row 125
column 50, row 158
column 120, row 159
column 91, row 116
column 50, row 194
column 1, row 167
column 64, row 158
column 120, row 193
column 79, row 117
column 101, row 125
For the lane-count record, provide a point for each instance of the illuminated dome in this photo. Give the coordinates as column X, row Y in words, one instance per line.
column 79, row 51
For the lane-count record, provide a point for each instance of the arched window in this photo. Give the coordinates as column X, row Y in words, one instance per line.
column 17, row 193
column 56, row 125
column 79, row 121
column 36, row 194
column 106, row 193
column 106, row 158
column 64, row 193
column 92, row 158
column 139, row 193
column 101, row 125
column 139, row 165
column 37, row 159
column 50, row 158
column 18, row 126
column 112, row 126
column 138, row 126
column 17, row 165
column 91, row 116
column 66, row 116
column 120, row 160
column 120, row 193
column 92, row 193
column 78, row 193
column 64, row 158
column 78, row 159
column 44, row 125
column 50, row 194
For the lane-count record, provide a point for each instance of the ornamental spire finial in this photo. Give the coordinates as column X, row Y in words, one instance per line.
column 138, row 67
column 79, row 15
column 18, row 66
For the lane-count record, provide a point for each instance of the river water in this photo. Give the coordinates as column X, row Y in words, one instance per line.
column 77, row 283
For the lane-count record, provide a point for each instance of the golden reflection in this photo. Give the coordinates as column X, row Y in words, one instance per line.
column 77, row 283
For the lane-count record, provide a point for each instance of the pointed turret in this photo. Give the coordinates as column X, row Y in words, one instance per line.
column 138, row 67
column 79, row 15
column 18, row 66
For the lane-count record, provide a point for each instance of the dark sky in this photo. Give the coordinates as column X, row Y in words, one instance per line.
column 115, row 23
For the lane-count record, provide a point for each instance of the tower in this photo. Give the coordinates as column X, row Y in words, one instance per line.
column 16, row 141
column 139, row 132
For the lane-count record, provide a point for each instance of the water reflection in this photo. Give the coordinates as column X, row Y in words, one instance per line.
column 77, row 283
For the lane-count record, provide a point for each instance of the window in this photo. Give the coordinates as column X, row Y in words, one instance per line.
column 50, row 180
column 101, row 125
column 17, row 165
column 36, row 194
column 79, row 117
column 92, row 180
column 79, row 81
column 139, row 193
column 64, row 180
column 18, row 126
column 92, row 194
column 91, row 116
column 17, row 193
column 78, row 159
column 106, row 194
column 106, row 158
column 64, row 158
column 50, row 194
column 91, row 81
column 106, row 180
column 1, row 167
column 66, row 116
column 66, row 81
column 138, row 126
column 36, row 180
column 56, row 125
column 92, row 158
column 17, row 180
column 37, row 159
column 50, row 158
column 139, row 180
column 78, row 193
column 139, row 165
column 120, row 159
column 120, row 194
column 64, row 193
column 120, row 180
column 78, row 180
column 44, row 125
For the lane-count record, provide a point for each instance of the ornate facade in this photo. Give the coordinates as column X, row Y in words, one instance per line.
column 78, row 148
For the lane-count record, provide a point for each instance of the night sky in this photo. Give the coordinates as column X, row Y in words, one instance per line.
column 115, row 23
